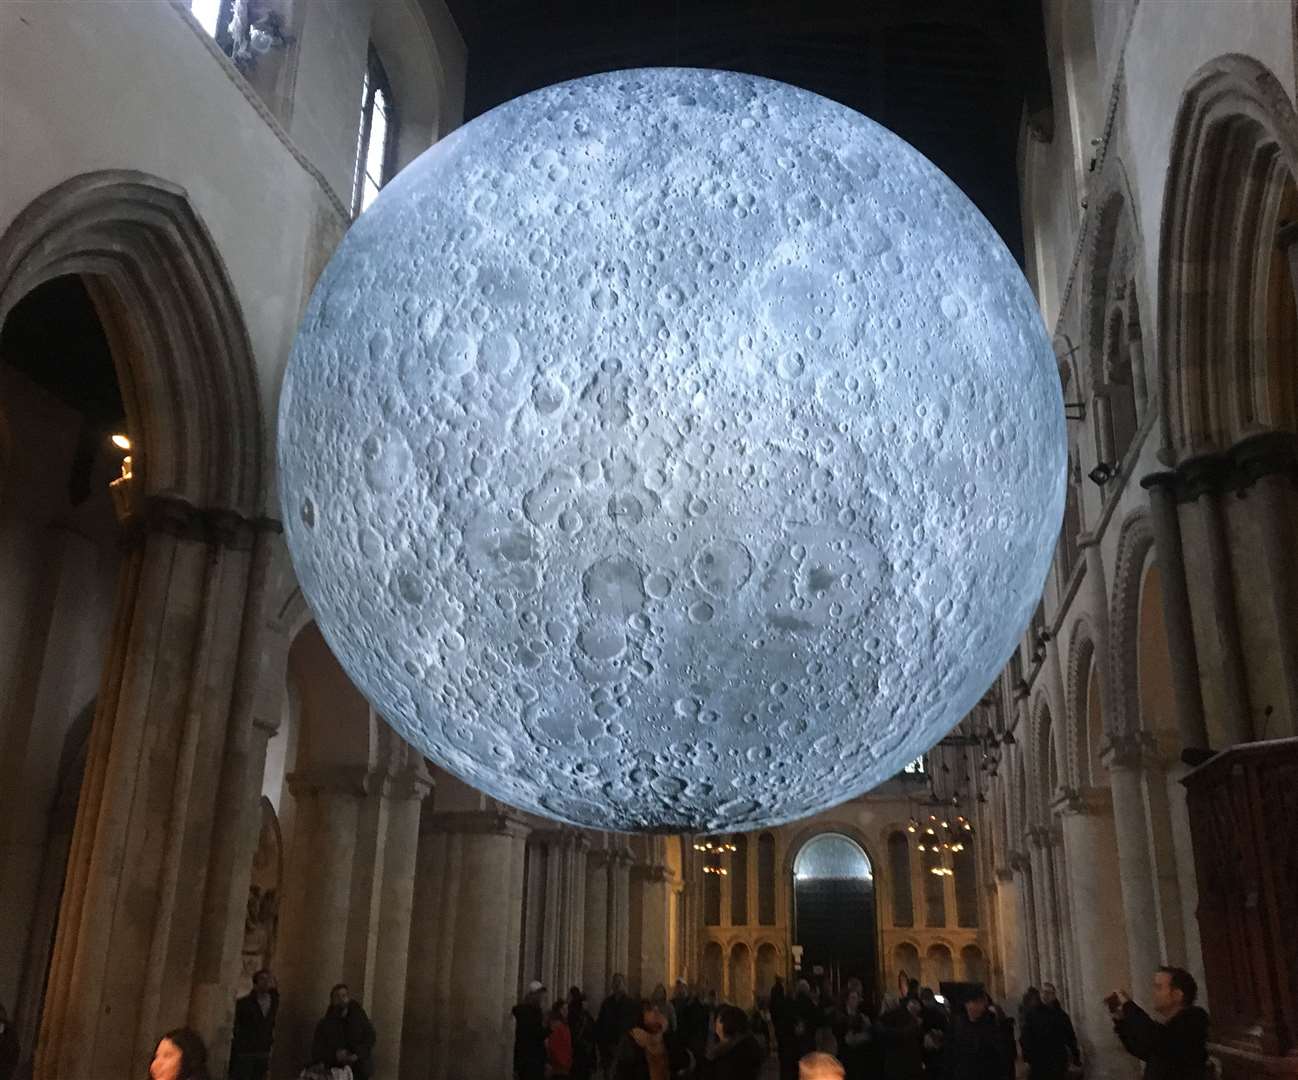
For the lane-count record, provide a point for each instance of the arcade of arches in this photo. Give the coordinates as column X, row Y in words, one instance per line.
column 190, row 789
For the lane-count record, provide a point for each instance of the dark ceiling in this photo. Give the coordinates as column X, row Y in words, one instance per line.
column 951, row 78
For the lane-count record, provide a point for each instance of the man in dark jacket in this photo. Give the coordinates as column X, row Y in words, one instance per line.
column 1176, row 1049
column 617, row 1015
column 1049, row 1041
column 254, row 1029
column 975, row 1045
column 530, row 1031
column 344, row 1035
column 736, row 1055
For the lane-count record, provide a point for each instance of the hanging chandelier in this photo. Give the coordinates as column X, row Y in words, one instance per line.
column 712, row 850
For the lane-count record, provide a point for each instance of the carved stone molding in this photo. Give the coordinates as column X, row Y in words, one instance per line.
column 560, row 838
column 175, row 516
column 355, row 780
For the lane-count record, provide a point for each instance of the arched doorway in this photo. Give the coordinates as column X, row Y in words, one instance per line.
column 834, row 912
column 713, row 966
column 741, row 976
column 768, row 967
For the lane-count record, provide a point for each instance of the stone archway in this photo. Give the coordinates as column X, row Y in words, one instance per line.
column 183, row 665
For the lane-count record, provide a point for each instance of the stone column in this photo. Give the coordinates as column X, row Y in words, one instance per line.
column 1026, row 915
column 595, row 977
column 1177, row 617
column 1009, row 918
column 619, row 913
column 145, row 937
column 404, row 793
column 311, row 952
column 1097, row 921
column 1047, row 932
column 564, row 936
column 653, row 884
column 464, row 951
column 1125, row 759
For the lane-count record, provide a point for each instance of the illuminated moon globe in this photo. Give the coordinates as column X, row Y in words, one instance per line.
column 672, row 450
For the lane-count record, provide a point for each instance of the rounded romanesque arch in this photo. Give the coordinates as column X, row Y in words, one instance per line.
column 1135, row 548
column 1081, row 660
column 1226, row 303
column 185, row 363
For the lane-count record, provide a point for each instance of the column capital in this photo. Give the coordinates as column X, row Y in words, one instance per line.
column 1005, row 874
column 355, row 780
column 1266, row 453
column 1128, row 751
column 562, row 837
column 409, row 783
column 1080, row 801
column 476, row 821
column 653, row 873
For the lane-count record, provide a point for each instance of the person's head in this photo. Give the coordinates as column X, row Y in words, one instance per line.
column 891, row 1002
column 680, row 988
column 659, row 994
column 340, row 997
column 853, row 1001
column 1032, row 997
column 912, row 988
column 975, row 1005
column 618, row 984
column 820, row 1066
column 535, row 992
column 855, row 984
column 1174, row 990
column 651, row 1016
column 556, row 1014
column 914, row 1007
column 180, row 1055
column 575, row 996
column 1048, row 994
column 803, row 988
column 927, row 997
column 261, row 981
column 731, row 1022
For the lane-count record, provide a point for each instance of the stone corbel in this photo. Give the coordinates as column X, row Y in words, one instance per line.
column 653, row 873
column 1086, row 800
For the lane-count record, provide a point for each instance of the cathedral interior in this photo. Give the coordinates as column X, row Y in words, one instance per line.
column 192, row 789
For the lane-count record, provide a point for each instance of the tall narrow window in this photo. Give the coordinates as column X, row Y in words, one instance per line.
column 966, row 888
column 711, row 900
column 903, row 907
column 377, row 136
column 934, row 891
column 766, row 879
column 739, row 881
column 214, row 17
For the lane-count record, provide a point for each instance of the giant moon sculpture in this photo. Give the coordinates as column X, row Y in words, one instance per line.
column 672, row 450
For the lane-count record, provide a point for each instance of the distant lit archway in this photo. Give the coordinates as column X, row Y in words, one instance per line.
column 834, row 912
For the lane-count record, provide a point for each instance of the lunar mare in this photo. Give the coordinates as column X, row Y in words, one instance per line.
column 672, row 450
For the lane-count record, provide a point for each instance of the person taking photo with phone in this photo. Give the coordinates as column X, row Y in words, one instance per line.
column 1175, row 1047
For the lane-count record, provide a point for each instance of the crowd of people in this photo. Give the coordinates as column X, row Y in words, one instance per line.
column 815, row 1035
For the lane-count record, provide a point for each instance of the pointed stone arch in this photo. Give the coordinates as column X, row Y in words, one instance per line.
column 1081, row 658
column 1230, row 187
column 185, row 363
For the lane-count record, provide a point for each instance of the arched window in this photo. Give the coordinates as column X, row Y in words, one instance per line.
column 739, row 881
column 766, row 879
column 903, row 904
column 966, row 887
column 376, row 140
column 711, row 900
column 934, row 890
column 938, row 966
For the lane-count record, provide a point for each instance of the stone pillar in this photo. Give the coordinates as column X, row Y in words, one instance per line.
column 387, row 999
column 1177, row 617
column 619, row 913
column 310, row 955
column 1013, row 937
column 595, row 977
column 155, row 893
column 1125, row 758
column 653, row 886
column 1097, row 920
column 1025, row 916
column 1047, row 932
column 464, row 946
column 564, row 933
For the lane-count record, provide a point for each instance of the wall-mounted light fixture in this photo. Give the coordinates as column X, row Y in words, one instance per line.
column 1102, row 473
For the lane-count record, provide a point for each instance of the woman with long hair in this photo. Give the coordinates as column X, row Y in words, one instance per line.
column 180, row 1055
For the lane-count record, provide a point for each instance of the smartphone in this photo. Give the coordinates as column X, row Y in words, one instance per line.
column 1113, row 1001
